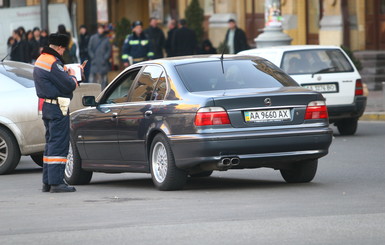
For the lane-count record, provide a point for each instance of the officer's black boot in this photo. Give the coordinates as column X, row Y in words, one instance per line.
column 46, row 188
column 62, row 188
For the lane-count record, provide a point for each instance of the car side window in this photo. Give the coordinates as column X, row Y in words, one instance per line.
column 161, row 88
column 145, row 85
column 119, row 94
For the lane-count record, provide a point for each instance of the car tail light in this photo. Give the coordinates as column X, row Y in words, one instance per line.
column 211, row 116
column 359, row 88
column 40, row 107
column 316, row 110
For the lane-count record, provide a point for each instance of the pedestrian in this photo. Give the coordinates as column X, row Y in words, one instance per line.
column 20, row 48
column 35, row 44
column 99, row 50
column 156, row 37
column 84, row 39
column 55, row 85
column 207, row 48
column 235, row 38
column 10, row 43
column 170, row 36
column 184, row 41
column 43, row 38
column 136, row 47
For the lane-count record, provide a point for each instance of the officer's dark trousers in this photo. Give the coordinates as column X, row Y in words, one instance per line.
column 57, row 144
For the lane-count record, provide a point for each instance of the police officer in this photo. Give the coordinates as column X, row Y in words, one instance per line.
column 55, row 85
column 136, row 47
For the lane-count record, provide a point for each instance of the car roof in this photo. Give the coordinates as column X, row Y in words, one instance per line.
column 180, row 60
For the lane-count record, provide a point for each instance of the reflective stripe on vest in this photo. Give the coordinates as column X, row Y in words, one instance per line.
column 54, row 160
column 133, row 42
column 45, row 62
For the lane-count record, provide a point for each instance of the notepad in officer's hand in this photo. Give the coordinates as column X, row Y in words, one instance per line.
column 76, row 68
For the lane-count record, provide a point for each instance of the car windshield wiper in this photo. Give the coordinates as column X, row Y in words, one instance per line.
column 324, row 70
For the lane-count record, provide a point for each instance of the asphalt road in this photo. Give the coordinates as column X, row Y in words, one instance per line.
column 345, row 204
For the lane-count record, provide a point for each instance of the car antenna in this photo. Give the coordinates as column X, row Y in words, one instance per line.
column 223, row 52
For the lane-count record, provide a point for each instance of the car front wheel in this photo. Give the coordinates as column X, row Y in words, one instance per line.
column 300, row 172
column 165, row 175
column 74, row 174
column 9, row 152
column 347, row 126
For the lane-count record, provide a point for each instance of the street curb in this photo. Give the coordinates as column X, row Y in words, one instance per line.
column 373, row 116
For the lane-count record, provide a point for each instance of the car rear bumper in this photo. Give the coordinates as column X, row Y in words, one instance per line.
column 254, row 149
column 354, row 110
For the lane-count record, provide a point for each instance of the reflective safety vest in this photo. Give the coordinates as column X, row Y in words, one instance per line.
column 51, row 78
column 139, row 48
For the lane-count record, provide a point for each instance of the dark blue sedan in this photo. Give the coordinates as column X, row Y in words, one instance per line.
column 189, row 116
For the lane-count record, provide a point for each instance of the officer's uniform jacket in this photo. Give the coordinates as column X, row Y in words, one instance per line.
column 138, row 47
column 51, row 78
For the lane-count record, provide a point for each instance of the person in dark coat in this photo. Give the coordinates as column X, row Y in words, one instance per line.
column 137, row 46
column 35, row 44
column 99, row 50
column 184, row 41
column 170, row 35
column 235, row 38
column 156, row 37
column 207, row 48
column 20, row 49
column 84, row 39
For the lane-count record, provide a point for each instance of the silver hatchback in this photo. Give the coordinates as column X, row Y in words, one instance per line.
column 21, row 126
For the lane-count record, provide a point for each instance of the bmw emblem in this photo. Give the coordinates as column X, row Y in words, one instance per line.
column 267, row 102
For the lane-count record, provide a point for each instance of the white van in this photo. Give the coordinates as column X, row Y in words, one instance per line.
column 29, row 17
column 326, row 69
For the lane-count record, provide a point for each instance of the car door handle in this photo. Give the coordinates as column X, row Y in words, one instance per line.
column 148, row 113
column 114, row 115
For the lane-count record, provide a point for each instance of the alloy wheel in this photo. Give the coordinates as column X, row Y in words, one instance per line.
column 3, row 151
column 70, row 163
column 159, row 162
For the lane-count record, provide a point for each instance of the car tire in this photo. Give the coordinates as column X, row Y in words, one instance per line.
column 38, row 159
column 73, row 173
column 347, row 126
column 300, row 172
column 165, row 175
column 202, row 174
column 9, row 152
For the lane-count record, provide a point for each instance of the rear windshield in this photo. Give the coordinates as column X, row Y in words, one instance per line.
column 236, row 74
column 315, row 61
column 22, row 74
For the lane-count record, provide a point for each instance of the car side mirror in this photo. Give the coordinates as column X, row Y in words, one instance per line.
column 89, row 101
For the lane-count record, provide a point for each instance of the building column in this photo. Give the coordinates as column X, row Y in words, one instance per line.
column 331, row 24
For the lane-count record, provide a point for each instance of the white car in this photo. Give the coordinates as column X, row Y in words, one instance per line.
column 21, row 127
column 326, row 69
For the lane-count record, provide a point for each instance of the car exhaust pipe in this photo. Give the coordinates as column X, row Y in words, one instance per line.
column 224, row 163
column 235, row 161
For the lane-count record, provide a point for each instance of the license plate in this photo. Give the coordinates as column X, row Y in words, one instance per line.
column 327, row 87
column 267, row 115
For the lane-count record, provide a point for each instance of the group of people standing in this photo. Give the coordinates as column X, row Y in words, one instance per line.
column 25, row 46
column 150, row 43
column 142, row 44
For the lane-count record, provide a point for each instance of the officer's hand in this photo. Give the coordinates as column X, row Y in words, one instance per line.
column 71, row 72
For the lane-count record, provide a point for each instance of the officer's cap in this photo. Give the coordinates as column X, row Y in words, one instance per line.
column 59, row 39
column 137, row 23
